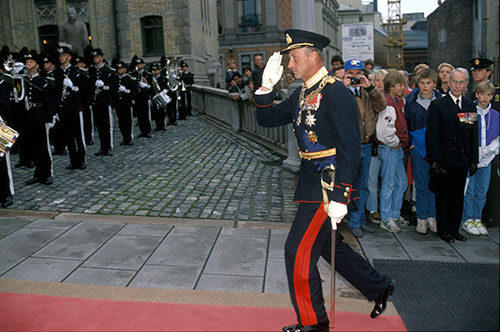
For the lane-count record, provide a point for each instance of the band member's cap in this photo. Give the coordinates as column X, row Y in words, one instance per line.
column 140, row 60
column 121, row 64
column 32, row 55
column 296, row 38
column 184, row 64
column 478, row 63
column 97, row 52
column 63, row 49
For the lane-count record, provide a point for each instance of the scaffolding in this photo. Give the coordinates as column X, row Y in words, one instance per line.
column 395, row 41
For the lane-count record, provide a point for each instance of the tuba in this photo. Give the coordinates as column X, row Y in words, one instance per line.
column 172, row 76
column 16, row 70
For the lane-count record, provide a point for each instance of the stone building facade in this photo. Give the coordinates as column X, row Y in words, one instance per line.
column 185, row 29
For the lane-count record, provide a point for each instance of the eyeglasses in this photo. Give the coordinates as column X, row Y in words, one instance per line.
column 458, row 82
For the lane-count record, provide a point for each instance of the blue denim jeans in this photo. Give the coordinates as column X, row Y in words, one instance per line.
column 426, row 201
column 394, row 182
column 372, row 201
column 475, row 194
column 357, row 216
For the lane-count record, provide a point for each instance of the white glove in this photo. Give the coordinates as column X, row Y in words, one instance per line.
column 99, row 83
column 67, row 83
column 122, row 88
column 144, row 85
column 272, row 72
column 336, row 211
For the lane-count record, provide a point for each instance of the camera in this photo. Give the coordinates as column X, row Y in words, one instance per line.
column 355, row 80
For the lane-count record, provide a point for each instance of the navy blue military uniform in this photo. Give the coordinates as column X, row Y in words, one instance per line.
column 6, row 181
column 158, row 113
column 101, row 105
column 187, row 80
column 451, row 140
column 70, row 113
column 141, row 97
column 85, row 95
column 122, row 101
column 332, row 124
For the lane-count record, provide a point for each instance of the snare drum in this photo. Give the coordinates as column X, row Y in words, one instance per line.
column 161, row 99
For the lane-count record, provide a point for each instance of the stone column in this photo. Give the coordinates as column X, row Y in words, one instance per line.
column 302, row 18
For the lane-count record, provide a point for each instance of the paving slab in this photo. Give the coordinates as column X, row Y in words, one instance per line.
column 493, row 234
column 9, row 225
column 230, row 283
column 185, row 246
column 123, row 252
column 384, row 246
column 52, row 223
column 172, row 277
column 42, row 269
column 238, row 257
column 145, row 230
column 105, row 277
column 276, row 280
column 80, row 242
column 480, row 249
column 246, row 233
column 277, row 243
column 23, row 243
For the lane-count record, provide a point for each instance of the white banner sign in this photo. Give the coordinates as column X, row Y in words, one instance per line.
column 357, row 41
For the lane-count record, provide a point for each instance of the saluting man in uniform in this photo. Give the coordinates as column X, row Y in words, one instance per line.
column 323, row 113
column 39, row 110
column 122, row 100
column 68, row 81
column 103, row 79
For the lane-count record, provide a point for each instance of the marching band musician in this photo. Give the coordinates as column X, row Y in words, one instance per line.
column 160, row 83
column 172, row 105
column 187, row 80
column 67, row 93
column 142, row 110
column 122, row 101
column 103, row 79
column 85, row 93
column 38, row 112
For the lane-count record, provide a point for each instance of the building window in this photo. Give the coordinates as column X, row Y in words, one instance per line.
column 152, row 35
column 246, row 60
column 49, row 35
column 249, row 15
column 441, row 36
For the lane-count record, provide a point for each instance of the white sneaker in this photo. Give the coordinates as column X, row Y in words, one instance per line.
column 422, row 226
column 402, row 222
column 432, row 224
column 470, row 227
column 480, row 227
column 390, row 225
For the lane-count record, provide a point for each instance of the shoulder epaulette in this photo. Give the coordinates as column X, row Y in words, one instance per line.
column 132, row 77
column 330, row 79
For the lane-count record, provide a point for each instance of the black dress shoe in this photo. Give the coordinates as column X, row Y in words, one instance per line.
column 90, row 142
column 71, row 167
column 459, row 237
column 108, row 153
column 99, row 153
column 47, row 181
column 31, row 164
column 307, row 328
column 381, row 300
column 123, row 143
column 32, row 181
column 447, row 238
column 7, row 202
column 20, row 164
column 83, row 166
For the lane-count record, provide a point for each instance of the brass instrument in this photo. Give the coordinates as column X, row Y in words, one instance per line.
column 17, row 71
column 171, row 73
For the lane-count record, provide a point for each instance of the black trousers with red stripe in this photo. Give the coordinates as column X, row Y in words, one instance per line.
column 308, row 239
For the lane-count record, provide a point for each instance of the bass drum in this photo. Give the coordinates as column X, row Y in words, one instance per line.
column 161, row 99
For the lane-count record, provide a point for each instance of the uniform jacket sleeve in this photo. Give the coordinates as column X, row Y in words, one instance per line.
column 270, row 114
column 386, row 127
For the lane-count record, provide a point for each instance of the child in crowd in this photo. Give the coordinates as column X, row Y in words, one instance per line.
column 392, row 133
column 477, row 187
column 416, row 118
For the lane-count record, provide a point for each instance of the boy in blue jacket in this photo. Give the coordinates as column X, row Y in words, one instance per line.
column 416, row 114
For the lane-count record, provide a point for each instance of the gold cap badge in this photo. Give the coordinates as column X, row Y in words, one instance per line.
column 288, row 39
column 476, row 62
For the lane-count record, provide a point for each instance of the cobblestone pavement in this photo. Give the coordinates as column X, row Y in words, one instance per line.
column 197, row 169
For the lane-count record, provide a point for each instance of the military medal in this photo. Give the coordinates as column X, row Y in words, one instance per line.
column 312, row 137
column 310, row 120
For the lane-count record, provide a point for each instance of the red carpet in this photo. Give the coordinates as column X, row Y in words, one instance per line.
column 23, row 312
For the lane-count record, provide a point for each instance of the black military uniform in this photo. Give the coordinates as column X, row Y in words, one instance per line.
column 56, row 130
column 122, row 101
column 172, row 93
column 40, row 107
column 479, row 63
column 451, row 141
column 187, row 80
column 142, row 97
column 160, row 84
column 323, row 113
column 103, row 80
column 85, row 95
column 6, row 181
column 70, row 111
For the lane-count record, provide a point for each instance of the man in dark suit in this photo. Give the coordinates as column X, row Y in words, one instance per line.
column 452, row 149
column 323, row 114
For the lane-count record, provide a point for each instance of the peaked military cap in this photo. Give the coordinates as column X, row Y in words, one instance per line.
column 121, row 64
column 140, row 60
column 97, row 51
column 155, row 66
column 79, row 59
column 296, row 38
column 478, row 63
column 32, row 55
column 184, row 64
column 63, row 49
